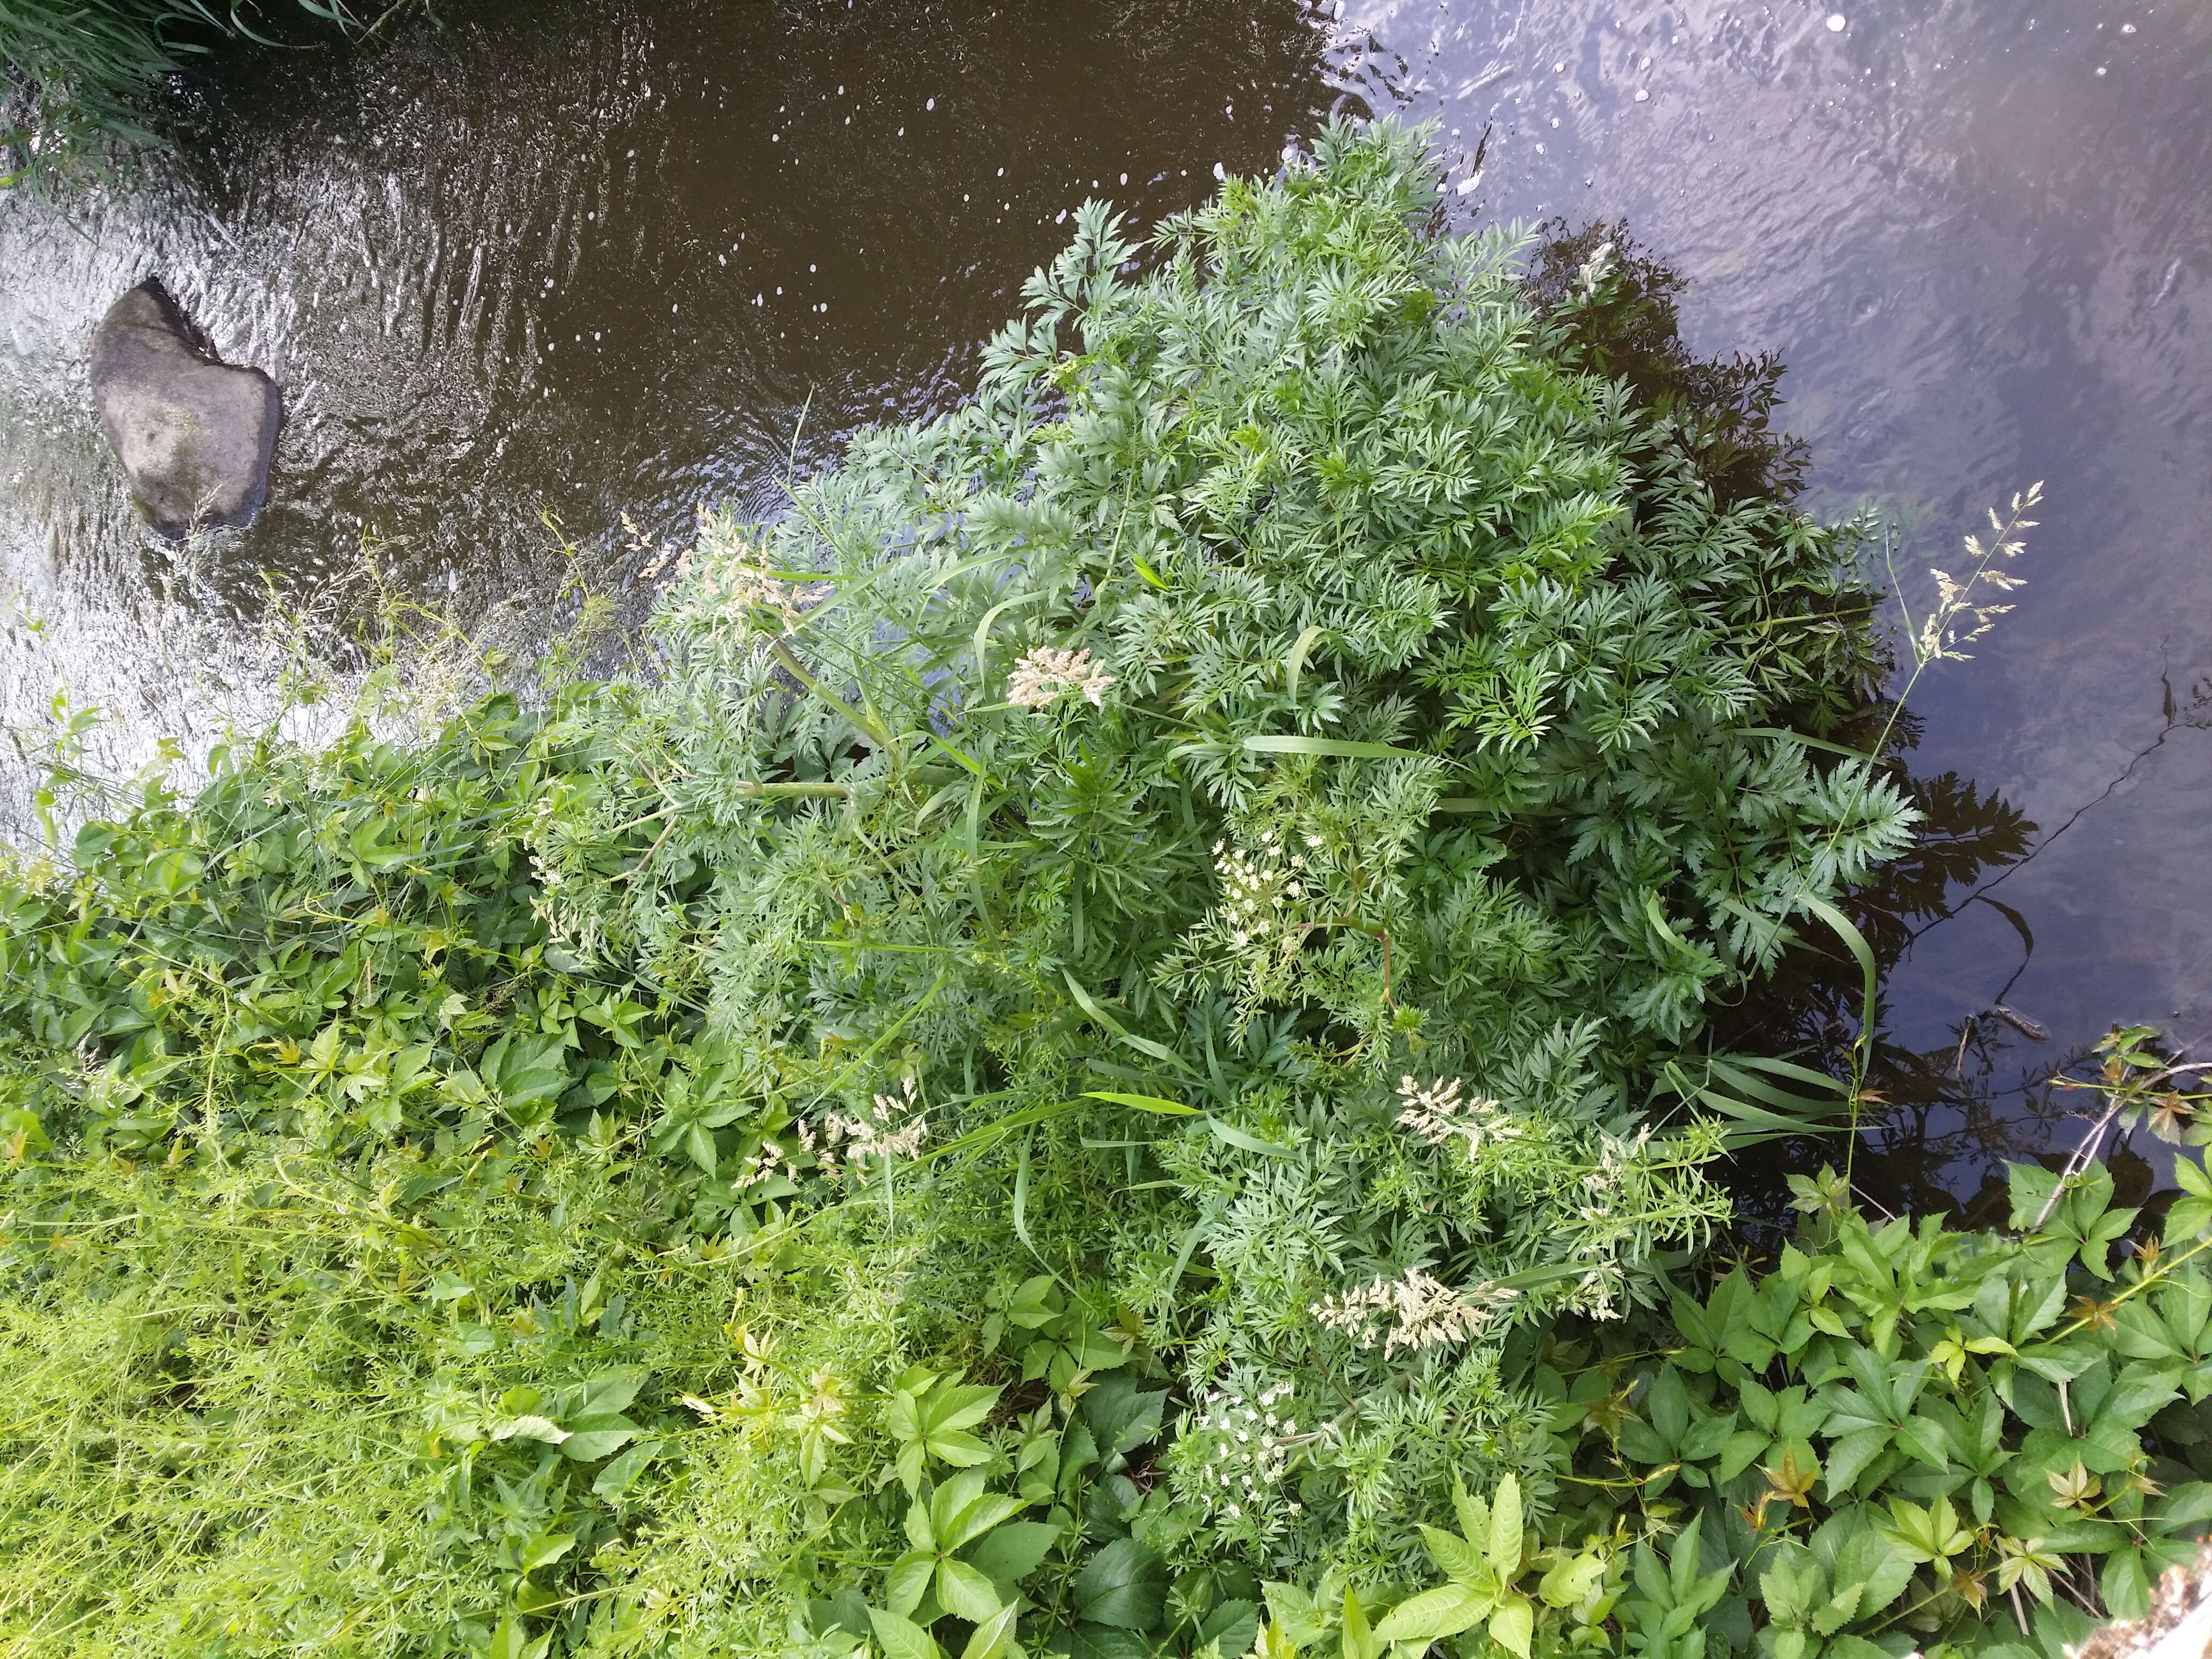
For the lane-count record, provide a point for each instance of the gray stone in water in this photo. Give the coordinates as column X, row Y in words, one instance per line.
column 194, row 434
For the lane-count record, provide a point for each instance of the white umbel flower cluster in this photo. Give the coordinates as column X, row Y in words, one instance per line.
column 721, row 590
column 1257, row 888
column 845, row 1143
column 1045, row 675
column 762, row 1163
column 1418, row 1312
column 1240, row 1447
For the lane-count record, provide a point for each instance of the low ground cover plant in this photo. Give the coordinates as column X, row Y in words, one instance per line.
column 1889, row 1438
column 1103, row 1058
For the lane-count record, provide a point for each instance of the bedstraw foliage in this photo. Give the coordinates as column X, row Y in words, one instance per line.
column 1156, row 902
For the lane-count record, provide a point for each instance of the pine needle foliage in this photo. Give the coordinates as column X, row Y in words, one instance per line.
column 1166, row 889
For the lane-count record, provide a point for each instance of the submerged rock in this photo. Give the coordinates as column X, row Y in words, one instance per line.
column 194, row 434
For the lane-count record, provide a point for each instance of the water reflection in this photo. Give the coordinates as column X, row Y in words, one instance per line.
column 1953, row 1111
column 1946, row 1116
column 1975, row 232
column 1942, row 1122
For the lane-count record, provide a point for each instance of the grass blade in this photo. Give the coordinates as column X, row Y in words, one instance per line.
column 1284, row 744
column 1144, row 1103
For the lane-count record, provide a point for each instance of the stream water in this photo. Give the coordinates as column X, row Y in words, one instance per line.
column 558, row 263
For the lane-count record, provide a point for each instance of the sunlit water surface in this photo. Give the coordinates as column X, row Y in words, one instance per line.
column 570, row 263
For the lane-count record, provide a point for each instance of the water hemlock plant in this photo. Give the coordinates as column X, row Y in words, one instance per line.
column 1290, row 688
column 1047, row 1081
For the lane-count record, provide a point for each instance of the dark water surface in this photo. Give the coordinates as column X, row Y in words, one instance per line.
column 605, row 259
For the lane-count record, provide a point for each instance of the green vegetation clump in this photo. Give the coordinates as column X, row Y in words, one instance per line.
column 1891, row 1439
column 1051, row 1080
column 78, row 76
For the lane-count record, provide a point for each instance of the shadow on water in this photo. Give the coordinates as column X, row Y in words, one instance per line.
column 1941, row 1120
column 1940, row 1123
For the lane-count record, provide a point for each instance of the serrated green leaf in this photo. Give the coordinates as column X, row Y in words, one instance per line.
column 992, row 1639
column 1454, row 1556
column 977, row 1518
column 902, row 1638
column 1010, row 1552
column 1504, row 1547
column 1512, row 1624
column 1434, row 1614
column 908, row 1581
column 617, row 1477
column 1123, row 1587
column 1850, row 1455
column 964, row 1591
